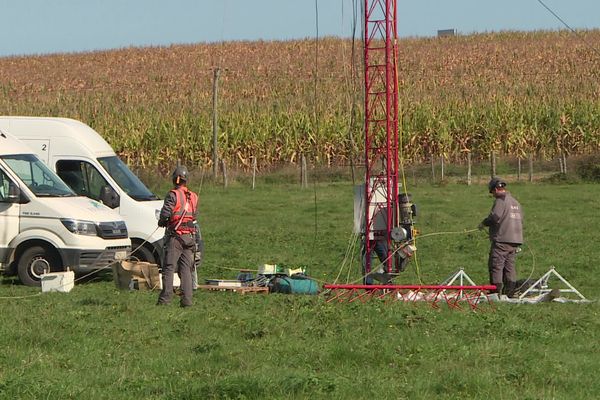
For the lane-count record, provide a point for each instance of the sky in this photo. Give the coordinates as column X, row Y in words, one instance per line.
column 59, row 26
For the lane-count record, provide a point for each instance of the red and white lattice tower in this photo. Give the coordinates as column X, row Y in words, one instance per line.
column 385, row 215
column 381, row 127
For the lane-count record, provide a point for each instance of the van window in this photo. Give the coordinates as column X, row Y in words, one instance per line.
column 37, row 176
column 82, row 177
column 127, row 180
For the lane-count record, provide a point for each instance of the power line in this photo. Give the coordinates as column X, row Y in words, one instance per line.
column 569, row 27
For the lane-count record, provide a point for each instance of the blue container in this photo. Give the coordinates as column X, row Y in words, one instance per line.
column 293, row 285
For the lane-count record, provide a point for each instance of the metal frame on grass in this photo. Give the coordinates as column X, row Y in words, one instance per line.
column 541, row 286
column 455, row 296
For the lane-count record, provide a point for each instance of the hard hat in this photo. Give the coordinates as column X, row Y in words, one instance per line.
column 180, row 174
column 496, row 183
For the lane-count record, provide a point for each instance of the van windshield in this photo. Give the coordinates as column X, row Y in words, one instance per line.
column 131, row 184
column 37, row 176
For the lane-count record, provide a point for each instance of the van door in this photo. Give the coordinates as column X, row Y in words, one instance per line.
column 83, row 178
column 9, row 218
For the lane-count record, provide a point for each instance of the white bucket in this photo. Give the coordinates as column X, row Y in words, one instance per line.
column 58, row 281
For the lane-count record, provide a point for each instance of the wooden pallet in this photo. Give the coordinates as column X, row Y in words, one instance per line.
column 241, row 290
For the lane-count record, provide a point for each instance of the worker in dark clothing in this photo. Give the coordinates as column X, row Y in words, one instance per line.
column 178, row 215
column 505, row 223
column 379, row 247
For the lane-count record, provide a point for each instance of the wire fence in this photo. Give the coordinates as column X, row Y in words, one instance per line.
column 436, row 170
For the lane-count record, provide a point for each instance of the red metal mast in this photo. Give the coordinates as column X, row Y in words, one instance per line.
column 387, row 225
column 381, row 128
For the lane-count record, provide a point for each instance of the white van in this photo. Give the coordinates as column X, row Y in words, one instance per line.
column 87, row 163
column 45, row 226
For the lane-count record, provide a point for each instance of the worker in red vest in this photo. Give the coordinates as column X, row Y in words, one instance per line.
column 178, row 216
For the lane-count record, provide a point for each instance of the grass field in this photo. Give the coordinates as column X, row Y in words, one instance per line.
column 512, row 93
column 101, row 343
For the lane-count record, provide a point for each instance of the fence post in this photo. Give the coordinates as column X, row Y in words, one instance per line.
column 201, row 169
column 493, row 164
column 442, row 167
column 530, row 168
column 253, row 172
column 303, row 177
column 469, row 169
column 432, row 168
column 562, row 161
column 224, row 171
column 518, row 168
column 560, row 164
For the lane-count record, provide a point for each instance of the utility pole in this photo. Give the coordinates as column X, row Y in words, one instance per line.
column 215, row 122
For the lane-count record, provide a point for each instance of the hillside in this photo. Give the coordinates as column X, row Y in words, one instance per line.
column 516, row 93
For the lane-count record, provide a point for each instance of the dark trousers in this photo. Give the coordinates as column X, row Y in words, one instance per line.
column 380, row 248
column 179, row 257
column 501, row 262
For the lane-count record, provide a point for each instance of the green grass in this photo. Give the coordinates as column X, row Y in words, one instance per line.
column 101, row 343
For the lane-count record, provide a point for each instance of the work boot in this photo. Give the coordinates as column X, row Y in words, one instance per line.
column 499, row 287
column 504, row 286
column 511, row 286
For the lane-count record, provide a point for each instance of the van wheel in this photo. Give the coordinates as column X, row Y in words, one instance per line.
column 32, row 264
column 143, row 254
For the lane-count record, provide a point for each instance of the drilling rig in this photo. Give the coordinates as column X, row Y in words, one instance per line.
column 383, row 215
column 383, row 210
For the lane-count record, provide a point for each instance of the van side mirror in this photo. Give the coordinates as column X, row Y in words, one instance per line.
column 15, row 194
column 109, row 197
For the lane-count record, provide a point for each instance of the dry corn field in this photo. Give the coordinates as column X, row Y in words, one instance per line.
column 512, row 93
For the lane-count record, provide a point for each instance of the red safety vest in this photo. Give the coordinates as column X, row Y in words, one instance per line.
column 184, row 212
